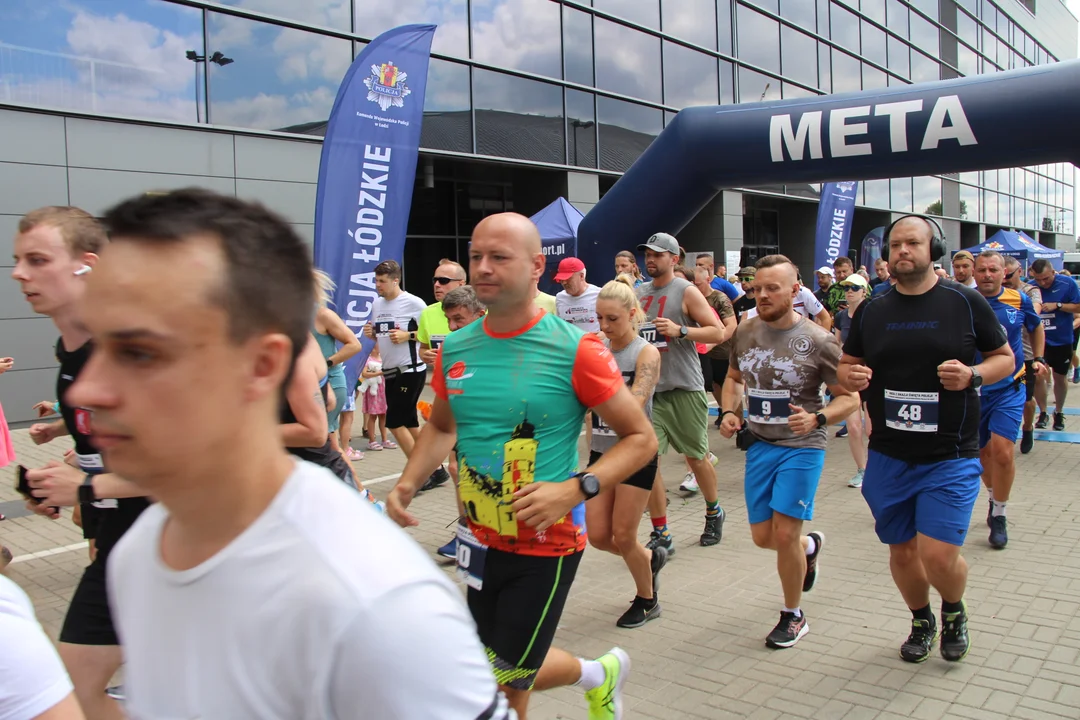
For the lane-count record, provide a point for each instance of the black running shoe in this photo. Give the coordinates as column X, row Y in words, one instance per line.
column 920, row 642
column 788, row 631
column 1059, row 421
column 812, row 562
column 1041, row 422
column 842, row 432
column 657, row 563
column 990, row 514
column 1027, row 441
column 954, row 636
column 436, row 479
column 999, row 532
column 714, row 529
column 657, row 539
column 641, row 611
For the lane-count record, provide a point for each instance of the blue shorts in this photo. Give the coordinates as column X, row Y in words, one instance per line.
column 781, row 479
column 350, row 403
column 333, row 418
column 1001, row 414
column 935, row 499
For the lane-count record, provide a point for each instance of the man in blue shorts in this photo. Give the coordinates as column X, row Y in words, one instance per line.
column 783, row 358
column 1003, row 402
column 912, row 354
column 1060, row 300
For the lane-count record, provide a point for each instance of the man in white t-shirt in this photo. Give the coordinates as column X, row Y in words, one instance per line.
column 395, row 318
column 241, row 593
column 576, row 304
column 33, row 682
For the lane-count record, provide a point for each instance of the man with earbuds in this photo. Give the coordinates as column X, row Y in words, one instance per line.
column 912, row 353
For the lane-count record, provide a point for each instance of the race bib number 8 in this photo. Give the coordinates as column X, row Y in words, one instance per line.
column 471, row 556
column 911, row 411
column 769, row 407
column 383, row 328
column 650, row 335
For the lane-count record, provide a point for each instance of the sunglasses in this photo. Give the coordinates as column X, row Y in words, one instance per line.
column 1009, row 276
column 444, row 280
column 851, row 288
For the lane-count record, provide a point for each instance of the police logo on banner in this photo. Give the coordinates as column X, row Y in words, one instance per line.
column 802, row 346
column 386, row 86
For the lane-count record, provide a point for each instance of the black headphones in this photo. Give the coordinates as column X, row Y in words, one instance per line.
column 938, row 249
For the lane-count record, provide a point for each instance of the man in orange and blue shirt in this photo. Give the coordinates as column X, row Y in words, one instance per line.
column 1002, row 403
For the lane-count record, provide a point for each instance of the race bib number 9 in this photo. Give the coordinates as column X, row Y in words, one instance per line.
column 650, row 335
column 1049, row 320
column 911, row 411
column 383, row 328
column 768, row 407
column 471, row 556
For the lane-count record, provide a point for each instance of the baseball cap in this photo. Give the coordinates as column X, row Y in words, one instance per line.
column 963, row 255
column 825, row 270
column 567, row 267
column 661, row 242
column 854, row 279
column 747, row 272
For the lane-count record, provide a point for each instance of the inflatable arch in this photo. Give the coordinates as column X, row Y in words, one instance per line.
column 1009, row 119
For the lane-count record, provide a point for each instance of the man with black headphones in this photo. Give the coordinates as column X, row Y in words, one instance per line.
column 912, row 353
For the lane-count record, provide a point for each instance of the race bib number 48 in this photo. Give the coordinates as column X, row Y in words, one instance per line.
column 911, row 411
column 768, row 407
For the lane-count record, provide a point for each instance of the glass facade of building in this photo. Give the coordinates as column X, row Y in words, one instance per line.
column 563, row 83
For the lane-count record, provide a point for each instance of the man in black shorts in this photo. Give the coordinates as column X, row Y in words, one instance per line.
column 1060, row 300
column 55, row 248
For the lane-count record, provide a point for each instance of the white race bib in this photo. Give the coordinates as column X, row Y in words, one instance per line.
column 1049, row 320
column 768, row 407
column 911, row 411
column 471, row 556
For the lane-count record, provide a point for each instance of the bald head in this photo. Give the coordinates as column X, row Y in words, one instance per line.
column 513, row 228
column 914, row 225
column 506, row 262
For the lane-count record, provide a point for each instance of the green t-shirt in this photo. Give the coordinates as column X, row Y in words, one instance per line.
column 432, row 325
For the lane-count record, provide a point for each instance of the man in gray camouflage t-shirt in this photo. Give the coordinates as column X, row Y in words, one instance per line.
column 783, row 359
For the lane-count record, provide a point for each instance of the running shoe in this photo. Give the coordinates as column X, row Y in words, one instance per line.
column 436, row 479
column 116, row 692
column 390, row 445
column 856, row 479
column 810, row 579
column 641, row 611
column 1059, row 421
column 714, row 529
column 999, row 532
column 788, row 631
column 449, row 550
column 990, row 513
column 657, row 563
column 713, row 460
column 955, row 642
column 606, row 702
column 842, row 432
column 689, row 483
column 1076, row 376
column 1042, row 422
column 1027, row 441
column 920, row 642
column 657, row 539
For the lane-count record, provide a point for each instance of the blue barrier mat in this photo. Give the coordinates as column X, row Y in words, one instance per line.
column 1052, row 436
column 1072, row 411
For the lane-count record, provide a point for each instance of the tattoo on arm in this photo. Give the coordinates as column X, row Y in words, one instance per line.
column 648, row 374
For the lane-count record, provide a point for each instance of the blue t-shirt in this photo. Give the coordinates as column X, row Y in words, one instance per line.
column 881, row 288
column 719, row 283
column 1058, row 324
column 1014, row 311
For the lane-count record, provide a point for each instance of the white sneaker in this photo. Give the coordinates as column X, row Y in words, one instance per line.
column 689, row 483
column 713, row 459
column 856, row 480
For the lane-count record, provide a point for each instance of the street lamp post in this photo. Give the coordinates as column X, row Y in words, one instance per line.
column 218, row 58
column 579, row 124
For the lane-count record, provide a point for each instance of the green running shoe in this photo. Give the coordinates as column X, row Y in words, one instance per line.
column 605, row 702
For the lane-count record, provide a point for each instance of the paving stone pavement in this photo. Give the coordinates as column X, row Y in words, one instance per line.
column 706, row 658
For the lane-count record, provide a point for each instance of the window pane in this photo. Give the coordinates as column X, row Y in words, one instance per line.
column 759, row 39
column 924, row 69
column 627, row 61
column 901, row 194
column 967, row 60
column 518, row 118
column 626, row 130
column 874, row 9
column 924, row 34
column 824, row 67
column 693, row 20
column 844, row 28
column 798, row 56
column 969, row 203
column 723, row 23
column 928, row 195
column 846, row 72
column 452, row 37
column 877, row 193
column 794, row 91
column 282, row 79
column 642, row 12
column 447, row 119
column 727, row 83
column 516, row 34
column 328, row 13
column 800, row 12
column 690, row 78
column 967, row 30
column 578, row 46
column 122, row 56
column 873, row 44
column 770, row 5
column 753, row 85
column 899, row 57
column 581, row 128
column 896, row 16
column 928, row 7
column 873, row 78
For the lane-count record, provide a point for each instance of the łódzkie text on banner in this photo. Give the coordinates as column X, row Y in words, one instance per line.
column 835, row 212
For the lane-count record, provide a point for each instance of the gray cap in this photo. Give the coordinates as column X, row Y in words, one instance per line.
column 661, row 242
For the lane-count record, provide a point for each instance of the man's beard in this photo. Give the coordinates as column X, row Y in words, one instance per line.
column 911, row 277
column 654, row 272
column 774, row 312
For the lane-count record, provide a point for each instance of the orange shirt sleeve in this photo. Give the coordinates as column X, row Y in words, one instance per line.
column 438, row 380
column 596, row 376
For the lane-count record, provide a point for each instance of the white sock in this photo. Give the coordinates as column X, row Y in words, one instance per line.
column 811, row 545
column 797, row 611
column 592, row 674
column 999, row 508
column 364, row 493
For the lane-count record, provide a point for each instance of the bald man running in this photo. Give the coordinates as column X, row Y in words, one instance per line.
column 516, row 427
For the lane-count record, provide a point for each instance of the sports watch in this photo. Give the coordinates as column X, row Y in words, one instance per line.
column 822, row 421
column 86, row 490
column 683, row 330
column 976, row 378
column 590, row 485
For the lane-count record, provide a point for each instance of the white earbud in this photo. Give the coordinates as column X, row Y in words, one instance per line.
column 83, row 270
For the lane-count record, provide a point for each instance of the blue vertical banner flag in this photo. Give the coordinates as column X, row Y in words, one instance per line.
column 835, row 213
column 368, row 170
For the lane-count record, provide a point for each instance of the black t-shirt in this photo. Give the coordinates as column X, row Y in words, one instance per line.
column 112, row 517
column 742, row 305
column 903, row 339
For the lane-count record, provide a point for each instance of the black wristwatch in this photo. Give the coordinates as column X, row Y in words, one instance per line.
column 822, row 421
column 1039, row 360
column 590, row 485
column 86, row 490
column 976, row 378
column 329, row 363
column 683, row 330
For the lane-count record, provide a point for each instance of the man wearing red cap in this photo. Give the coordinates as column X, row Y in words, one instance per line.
column 576, row 304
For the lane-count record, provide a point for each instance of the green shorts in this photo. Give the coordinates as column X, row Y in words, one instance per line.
column 681, row 419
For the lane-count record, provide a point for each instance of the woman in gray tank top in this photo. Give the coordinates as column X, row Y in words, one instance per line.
column 613, row 518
